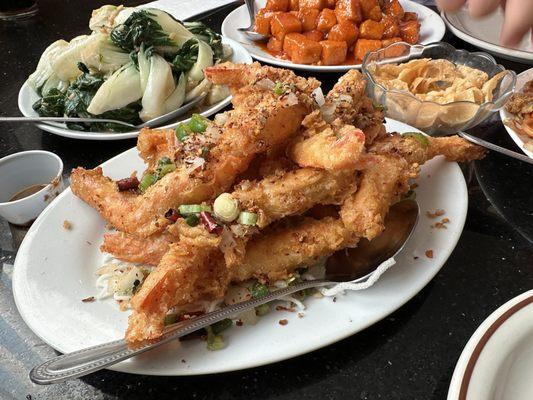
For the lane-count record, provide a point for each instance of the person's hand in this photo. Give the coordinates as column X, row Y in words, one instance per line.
column 518, row 15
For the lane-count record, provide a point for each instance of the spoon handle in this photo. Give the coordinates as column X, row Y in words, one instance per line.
column 251, row 10
column 496, row 148
column 92, row 359
column 62, row 119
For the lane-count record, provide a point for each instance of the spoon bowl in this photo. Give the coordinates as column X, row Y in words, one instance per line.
column 399, row 225
column 361, row 261
column 249, row 32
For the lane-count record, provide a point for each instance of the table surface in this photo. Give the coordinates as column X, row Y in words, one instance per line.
column 409, row 355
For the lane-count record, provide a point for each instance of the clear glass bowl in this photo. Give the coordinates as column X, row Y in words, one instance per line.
column 430, row 117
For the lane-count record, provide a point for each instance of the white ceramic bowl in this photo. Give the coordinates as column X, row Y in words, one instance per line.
column 21, row 170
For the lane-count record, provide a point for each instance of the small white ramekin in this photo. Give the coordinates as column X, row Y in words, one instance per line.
column 21, row 170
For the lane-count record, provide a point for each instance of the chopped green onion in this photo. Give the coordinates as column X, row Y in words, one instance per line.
column 164, row 161
column 214, row 342
column 247, row 218
column 182, row 131
column 424, row 141
column 278, row 89
column 171, row 319
column 147, row 181
column 192, row 220
column 261, row 310
column 165, row 169
column 186, row 209
column 259, row 290
column 221, row 326
column 198, row 124
column 226, row 207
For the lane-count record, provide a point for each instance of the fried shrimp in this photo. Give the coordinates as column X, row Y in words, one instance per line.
column 293, row 193
column 347, row 101
column 247, row 132
column 381, row 185
column 130, row 248
column 154, row 144
column 300, row 182
column 330, row 150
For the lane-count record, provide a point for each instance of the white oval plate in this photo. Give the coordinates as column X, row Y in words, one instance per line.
column 432, row 30
column 497, row 361
column 27, row 97
column 485, row 34
column 55, row 269
column 521, row 80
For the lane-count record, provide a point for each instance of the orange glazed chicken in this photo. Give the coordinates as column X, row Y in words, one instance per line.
column 333, row 32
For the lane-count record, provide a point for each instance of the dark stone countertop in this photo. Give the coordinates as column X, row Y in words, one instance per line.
column 409, row 355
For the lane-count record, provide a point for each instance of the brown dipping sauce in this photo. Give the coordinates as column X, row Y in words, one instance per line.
column 350, row 57
column 27, row 192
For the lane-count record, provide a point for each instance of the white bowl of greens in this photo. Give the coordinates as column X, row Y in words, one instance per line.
column 135, row 65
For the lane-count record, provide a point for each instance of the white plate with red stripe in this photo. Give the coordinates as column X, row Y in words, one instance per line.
column 432, row 29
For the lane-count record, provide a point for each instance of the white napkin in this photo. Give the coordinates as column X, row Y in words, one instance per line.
column 183, row 9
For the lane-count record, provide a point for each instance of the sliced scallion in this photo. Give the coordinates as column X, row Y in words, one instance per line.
column 214, row 342
column 192, row 220
column 278, row 89
column 247, row 218
column 198, row 124
column 186, row 209
column 221, row 326
column 182, row 131
column 261, row 310
column 147, row 181
column 165, row 169
column 259, row 290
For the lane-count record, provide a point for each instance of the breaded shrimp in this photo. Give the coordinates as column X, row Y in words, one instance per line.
column 330, row 150
column 293, row 193
column 247, row 132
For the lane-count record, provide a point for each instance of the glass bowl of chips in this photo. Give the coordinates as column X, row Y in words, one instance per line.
column 436, row 88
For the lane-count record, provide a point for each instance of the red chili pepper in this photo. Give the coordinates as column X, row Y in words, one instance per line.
column 210, row 223
column 172, row 215
column 128, row 184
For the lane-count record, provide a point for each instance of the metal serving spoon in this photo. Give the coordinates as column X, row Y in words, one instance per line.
column 154, row 122
column 496, row 148
column 357, row 265
column 252, row 35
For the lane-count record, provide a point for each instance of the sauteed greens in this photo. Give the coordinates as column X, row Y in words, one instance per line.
column 135, row 66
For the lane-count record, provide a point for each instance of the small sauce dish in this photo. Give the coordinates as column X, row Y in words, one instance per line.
column 29, row 181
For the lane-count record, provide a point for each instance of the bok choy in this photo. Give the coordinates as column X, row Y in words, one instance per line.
column 136, row 65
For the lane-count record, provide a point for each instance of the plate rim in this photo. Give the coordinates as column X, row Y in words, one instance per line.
column 504, row 52
column 451, row 242
column 440, row 32
column 72, row 134
column 463, row 371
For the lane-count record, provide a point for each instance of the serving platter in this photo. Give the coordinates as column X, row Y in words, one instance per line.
column 27, row 97
column 431, row 30
column 496, row 362
column 55, row 269
column 485, row 34
column 521, row 80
